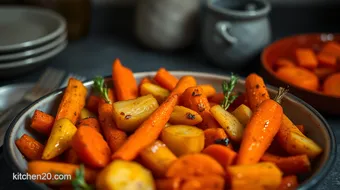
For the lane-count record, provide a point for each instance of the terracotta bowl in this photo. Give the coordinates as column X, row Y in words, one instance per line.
column 284, row 48
column 297, row 110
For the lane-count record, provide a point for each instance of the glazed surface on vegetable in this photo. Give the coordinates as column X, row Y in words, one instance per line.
column 168, row 133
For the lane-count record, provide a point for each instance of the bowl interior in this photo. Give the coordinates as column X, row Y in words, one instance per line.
column 298, row 111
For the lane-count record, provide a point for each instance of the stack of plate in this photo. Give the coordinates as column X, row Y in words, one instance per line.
column 28, row 37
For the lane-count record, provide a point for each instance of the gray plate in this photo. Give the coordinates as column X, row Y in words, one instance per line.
column 23, row 27
column 9, row 95
column 32, row 52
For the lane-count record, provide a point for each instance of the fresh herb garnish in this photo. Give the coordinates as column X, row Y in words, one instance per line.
column 79, row 182
column 228, row 88
column 224, row 142
column 101, row 89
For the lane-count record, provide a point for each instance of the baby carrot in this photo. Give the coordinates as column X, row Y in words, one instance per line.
column 208, row 90
column 29, row 147
column 289, row 182
column 298, row 76
column 73, row 101
column 90, row 122
column 148, row 132
column 42, row 122
column 183, row 83
column 215, row 135
column 256, row 91
column 165, row 79
column 125, row 84
column 222, row 154
column 261, row 129
column 331, row 85
column 306, row 58
column 91, row 147
column 92, row 103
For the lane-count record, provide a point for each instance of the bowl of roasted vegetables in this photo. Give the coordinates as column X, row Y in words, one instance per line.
column 167, row 130
column 309, row 63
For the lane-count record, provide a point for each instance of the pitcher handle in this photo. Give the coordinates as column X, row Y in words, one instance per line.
column 223, row 28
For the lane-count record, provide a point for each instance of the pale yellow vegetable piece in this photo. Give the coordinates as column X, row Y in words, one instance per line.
column 157, row 157
column 243, row 113
column 125, row 175
column 229, row 122
column 85, row 113
column 60, row 138
column 156, row 91
column 183, row 139
column 130, row 114
column 184, row 116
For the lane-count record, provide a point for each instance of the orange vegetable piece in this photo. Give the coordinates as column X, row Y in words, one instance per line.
column 289, row 182
column 91, row 147
column 331, row 85
column 92, row 103
column 222, row 154
column 208, row 90
column 211, row 182
column 217, row 98
column 90, row 122
column 29, row 147
column 282, row 62
column 42, row 122
column 125, row 84
column 111, row 96
column 327, row 60
column 306, row 58
column 300, row 77
column 331, row 48
column 166, row 79
column 256, row 91
column 183, row 83
column 168, row 183
column 213, row 134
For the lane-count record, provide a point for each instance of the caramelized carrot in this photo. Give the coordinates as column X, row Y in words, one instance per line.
column 213, row 135
column 168, row 183
column 261, row 130
column 331, row 48
column 223, row 155
column 148, row 132
column 195, row 99
column 208, row 90
column 324, row 72
column 306, row 58
column 298, row 76
column 114, row 136
column 165, row 79
column 71, row 156
column 29, row 147
column 92, row 103
column 197, row 164
column 301, row 128
column 256, row 91
column 327, row 60
column 284, row 63
column 289, row 165
column 289, row 182
column 183, row 83
column 42, row 122
column 91, row 147
column 90, row 122
column 211, row 182
column 73, row 101
column 331, row 85
column 217, row 98
column 125, row 84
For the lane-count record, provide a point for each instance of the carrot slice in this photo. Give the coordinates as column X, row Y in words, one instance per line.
column 90, row 122
column 211, row 182
column 91, row 147
column 148, row 132
column 29, row 147
column 327, row 60
column 125, row 84
column 213, row 135
column 194, row 165
column 183, row 83
column 92, row 103
column 289, row 165
column 42, row 122
column 300, row 77
column 306, row 58
column 331, row 85
column 217, row 98
column 289, row 183
column 223, row 155
column 256, row 91
column 165, row 79
column 208, row 90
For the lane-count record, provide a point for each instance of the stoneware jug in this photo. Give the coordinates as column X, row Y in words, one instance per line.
column 234, row 31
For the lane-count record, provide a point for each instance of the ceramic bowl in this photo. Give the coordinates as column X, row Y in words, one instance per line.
column 285, row 48
column 297, row 110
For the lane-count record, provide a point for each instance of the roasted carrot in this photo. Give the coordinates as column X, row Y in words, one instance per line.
column 289, row 165
column 331, row 85
column 90, row 122
column 301, row 128
column 331, row 48
column 214, row 136
column 197, row 164
column 298, row 76
column 195, row 99
column 30, row 147
column 289, row 182
column 183, row 83
column 256, row 91
column 217, row 98
column 166, row 79
column 114, row 136
column 327, row 60
column 208, row 90
column 324, row 72
column 71, row 157
column 211, row 182
column 125, row 84
column 223, row 155
column 92, row 103
column 282, row 62
column 261, row 129
column 168, row 183
column 260, row 176
column 91, row 147
column 148, row 132
column 42, row 122
column 45, row 167
column 306, row 58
